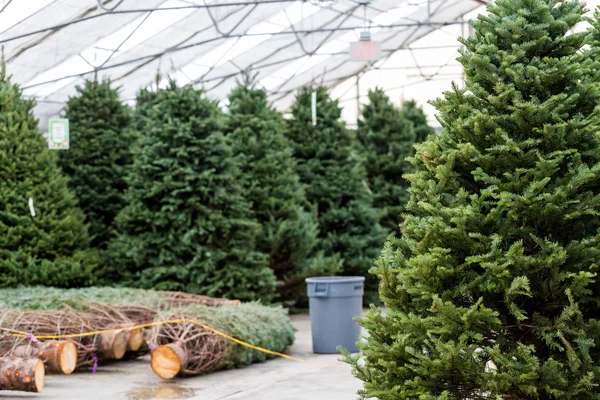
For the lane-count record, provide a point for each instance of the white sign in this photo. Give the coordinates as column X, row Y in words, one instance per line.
column 58, row 134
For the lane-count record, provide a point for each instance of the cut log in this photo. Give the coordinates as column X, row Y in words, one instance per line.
column 136, row 339
column 21, row 374
column 113, row 345
column 59, row 357
column 168, row 360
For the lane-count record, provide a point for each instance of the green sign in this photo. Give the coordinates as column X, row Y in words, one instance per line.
column 58, row 134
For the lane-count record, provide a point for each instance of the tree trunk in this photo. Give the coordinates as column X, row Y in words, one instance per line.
column 136, row 339
column 22, row 374
column 113, row 345
column 168, row 360
column 59, row 357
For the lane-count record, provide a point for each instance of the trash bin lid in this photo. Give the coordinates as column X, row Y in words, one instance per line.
column 335, row 279
column 336, row 286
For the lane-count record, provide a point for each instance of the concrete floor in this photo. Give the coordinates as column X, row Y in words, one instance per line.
column 277, row 379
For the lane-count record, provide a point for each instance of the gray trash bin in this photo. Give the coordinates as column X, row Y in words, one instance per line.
column 334, row 301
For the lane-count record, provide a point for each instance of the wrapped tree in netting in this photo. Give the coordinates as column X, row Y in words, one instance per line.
column 90, row 349
column 187, row 225
column 335, row 183
column 99, row 155
column 386, row 139
column 412, row 112
column 271, row 183
column 185, row 348
column 43, row 238
column 492, row 291
column 138, row 305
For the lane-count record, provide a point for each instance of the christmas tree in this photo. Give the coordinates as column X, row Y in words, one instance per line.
column 272, row 185
column 412, row 112
column 386, row 139
column 43, row 238
column 186, row 225
column 99, row 155
column 493, row 288
column 335, row 183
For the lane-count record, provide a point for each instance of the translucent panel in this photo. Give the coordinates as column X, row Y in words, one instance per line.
column 312, row 62
column 269, row 49
column 271, row 82
column 74, row 65
column 157, row 22
column 18, row 11
column 213, row 56
column 243, row 45
column 96, row 56
column 265, row 27
column 334, row 46
column 48, row 89
column 292, row 68
column 136, row 32
column 294, row 14
column 112, row 41
column 394, row 15
column 193, row 71
column 277, row 23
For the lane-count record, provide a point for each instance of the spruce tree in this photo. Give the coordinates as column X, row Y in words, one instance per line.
column 412, row 112
column 271, row 184
column 43, row 238
column 335, row 183
column 186, row 225
column 493, row 288
column 99, row 155
column 386, row 139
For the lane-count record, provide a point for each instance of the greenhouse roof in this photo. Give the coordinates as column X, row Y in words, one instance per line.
column 51, row 46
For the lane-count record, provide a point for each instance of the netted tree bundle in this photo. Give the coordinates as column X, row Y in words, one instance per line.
column 119, row 317
column 129, row 306
column 45, row 298
column 139, row 305
column 188, row 349
column 90, row 349
column 177, row 299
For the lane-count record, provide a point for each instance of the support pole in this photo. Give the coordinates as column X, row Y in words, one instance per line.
column 428, row 10
column 357, row 98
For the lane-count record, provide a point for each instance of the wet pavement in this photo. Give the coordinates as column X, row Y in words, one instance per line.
column 278, row 379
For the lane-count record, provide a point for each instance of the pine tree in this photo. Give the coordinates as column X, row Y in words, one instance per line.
column 386, row 139
column 43, row 238
column 412, row 112
column 493, row 289
column 272, row 185
column 186, row 225
column 99, row 155
column 335, row 183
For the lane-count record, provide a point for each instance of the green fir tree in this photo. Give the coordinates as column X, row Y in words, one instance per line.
column 186, row 225
column 43, row 237
column 335, row 183
column 493, row 289
column 386, row 139
column 412, row 112
column 272, row 185
column 99, row 155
